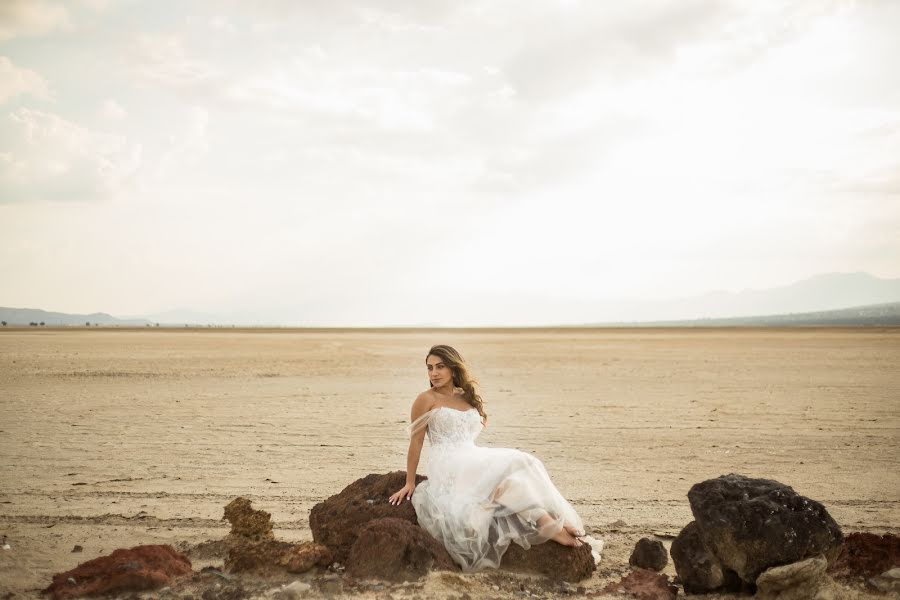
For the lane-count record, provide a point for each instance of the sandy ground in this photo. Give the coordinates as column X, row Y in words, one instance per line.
column 113, row 438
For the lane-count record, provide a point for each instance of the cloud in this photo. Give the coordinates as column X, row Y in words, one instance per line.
column 30, row 17
column 97, row 5
column 189, row 146
column 44, row 157
column 15, row 81
column 576, row 48
column 222, row 24
column 113, row 110
column 360, row 97
column 162, row 59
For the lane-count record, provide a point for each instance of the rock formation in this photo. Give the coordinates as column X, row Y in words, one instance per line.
column 803, row 580
column 134, row 569
column 649, row 554
column 273, row 556
column 747, row 526
column 698, row 568
column 396, row 550
column 551, row 560
column 251, row 544
column 339, row 521
column 247, row 523
column 866, row 555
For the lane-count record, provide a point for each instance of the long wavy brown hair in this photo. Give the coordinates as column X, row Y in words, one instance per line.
column 461, row 376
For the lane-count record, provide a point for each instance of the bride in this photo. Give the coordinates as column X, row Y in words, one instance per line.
column 477, row 500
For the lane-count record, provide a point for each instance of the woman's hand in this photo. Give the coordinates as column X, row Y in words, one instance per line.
column 405, row 492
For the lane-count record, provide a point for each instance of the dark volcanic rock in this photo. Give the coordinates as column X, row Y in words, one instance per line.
column 337, row 521
column 649, row 554
column 754, row 524
column 698, row 568
column 643, row 585
column 866, row 555
column 138, row 568
column 396, row 550
column 551, row 559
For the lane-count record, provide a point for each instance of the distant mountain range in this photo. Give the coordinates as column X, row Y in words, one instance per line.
column 24, row 316
column 825, row 292
column 884, row 315
column 829, row 299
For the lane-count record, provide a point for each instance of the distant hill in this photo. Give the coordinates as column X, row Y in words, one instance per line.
column 830, row 291
column 24, row 316
column 809, row 299
column 885, row 315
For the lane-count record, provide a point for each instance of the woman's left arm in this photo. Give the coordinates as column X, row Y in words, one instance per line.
column 416, row 441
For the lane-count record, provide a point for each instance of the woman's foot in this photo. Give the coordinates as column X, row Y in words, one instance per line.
column 566, row 539
column 565, row 535
column 573, row 531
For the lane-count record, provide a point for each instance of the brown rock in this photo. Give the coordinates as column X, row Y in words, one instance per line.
column 337, row 521
column 396, row 550
column 552, row 560
column 272, row 556
column 697, row 567
column 248, row 523
column 251, row 545
column 303, row 557
column 138, row 568
column 649, row 554
column 644, row 585
column 866, row 555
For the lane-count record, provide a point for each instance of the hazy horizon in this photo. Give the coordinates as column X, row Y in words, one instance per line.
column 816, row 298
column 398, row 162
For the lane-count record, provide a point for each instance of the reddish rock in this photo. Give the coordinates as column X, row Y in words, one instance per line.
column 396, row 550
column 248, row 523
column 644, row 585
column 337, row 521
column 305, row 556
column 551, row 559
column 866, row 555
column 272, row 556
column 138, row 568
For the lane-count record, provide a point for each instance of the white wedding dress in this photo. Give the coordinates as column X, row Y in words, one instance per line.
column 477, row 500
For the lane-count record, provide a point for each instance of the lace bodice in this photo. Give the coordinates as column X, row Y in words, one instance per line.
column 452, row 427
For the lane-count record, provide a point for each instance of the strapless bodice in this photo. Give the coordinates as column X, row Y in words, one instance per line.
column 449, row 426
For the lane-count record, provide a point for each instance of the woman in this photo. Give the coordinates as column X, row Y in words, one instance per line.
column 477, row 500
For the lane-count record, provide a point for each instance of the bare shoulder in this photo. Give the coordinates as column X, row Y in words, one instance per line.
column 423, row 403
column 426, row 396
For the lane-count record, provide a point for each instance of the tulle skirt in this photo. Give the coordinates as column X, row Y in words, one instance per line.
column 478, row 500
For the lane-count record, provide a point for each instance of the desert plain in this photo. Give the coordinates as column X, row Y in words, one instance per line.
column 110, row 438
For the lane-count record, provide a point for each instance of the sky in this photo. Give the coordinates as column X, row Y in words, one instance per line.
column 339, row 162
